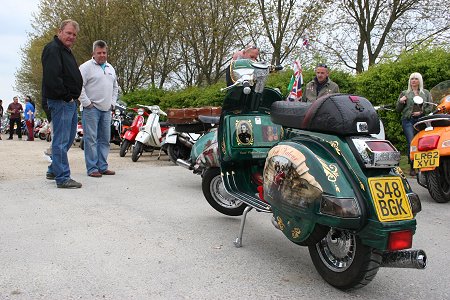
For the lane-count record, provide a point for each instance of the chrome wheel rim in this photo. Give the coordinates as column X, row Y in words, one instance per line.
column 337, row 250
column 221, row 196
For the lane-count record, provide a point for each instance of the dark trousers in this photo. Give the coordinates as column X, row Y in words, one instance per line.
column 11, row 127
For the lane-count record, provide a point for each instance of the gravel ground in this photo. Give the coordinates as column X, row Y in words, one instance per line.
column 23, row 159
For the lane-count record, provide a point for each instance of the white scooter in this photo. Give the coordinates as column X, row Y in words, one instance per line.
column 151, row 135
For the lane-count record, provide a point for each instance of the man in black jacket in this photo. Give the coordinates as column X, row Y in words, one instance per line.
column 61, row 87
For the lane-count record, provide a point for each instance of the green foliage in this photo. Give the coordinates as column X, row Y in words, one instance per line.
column 382, row 84
column 149, row 96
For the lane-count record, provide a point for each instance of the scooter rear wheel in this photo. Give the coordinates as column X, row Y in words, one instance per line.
column 176, row 151
column 438, row 182
column 217, row 196
column 126, row 144
column 343, row 261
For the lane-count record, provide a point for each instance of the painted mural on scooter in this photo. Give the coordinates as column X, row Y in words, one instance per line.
column 287, row 181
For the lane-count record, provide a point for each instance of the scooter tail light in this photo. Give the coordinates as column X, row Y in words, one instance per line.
column 428, row 142
column 375, row 153
column 399, row 240
column 340, row 207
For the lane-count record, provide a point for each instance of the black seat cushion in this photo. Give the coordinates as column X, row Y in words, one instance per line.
column 341, row 114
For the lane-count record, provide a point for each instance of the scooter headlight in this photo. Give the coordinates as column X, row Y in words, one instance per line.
column 117, row 112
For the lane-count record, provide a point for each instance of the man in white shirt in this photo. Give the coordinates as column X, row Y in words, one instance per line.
column 98, row 98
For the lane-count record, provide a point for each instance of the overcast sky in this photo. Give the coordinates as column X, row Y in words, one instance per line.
column 15, row 23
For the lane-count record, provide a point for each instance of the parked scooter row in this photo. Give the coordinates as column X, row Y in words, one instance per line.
column 327, row 182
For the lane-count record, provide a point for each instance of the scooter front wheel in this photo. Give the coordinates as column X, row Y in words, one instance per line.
column 438, row 182
column 137, row 151
column 343, row 261
column 126, row 144
column 217, row 196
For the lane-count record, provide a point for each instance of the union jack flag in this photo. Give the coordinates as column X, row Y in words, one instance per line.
column 295, row 86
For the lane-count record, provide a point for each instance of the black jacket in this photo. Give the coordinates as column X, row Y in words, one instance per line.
column 61, row 78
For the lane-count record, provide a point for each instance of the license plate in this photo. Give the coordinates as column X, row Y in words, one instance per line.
column 426, row 159
column 389, row 197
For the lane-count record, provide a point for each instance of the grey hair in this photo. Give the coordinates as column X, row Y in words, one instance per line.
column 418, row 76
column 71, row 22
column 99, row 44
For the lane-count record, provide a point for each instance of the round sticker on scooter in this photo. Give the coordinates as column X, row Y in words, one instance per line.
column 418, row 100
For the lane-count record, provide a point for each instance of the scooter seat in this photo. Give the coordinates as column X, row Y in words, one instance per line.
column 209, row 119
column 289, row 114
column 439, row 120
column 340, row 114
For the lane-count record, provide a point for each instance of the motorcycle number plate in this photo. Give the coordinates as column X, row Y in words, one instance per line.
column 389, row 198
column 427, row 159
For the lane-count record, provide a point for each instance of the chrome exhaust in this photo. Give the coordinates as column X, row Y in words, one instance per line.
column 416, row 259
column 184, row 164
column 185, row 140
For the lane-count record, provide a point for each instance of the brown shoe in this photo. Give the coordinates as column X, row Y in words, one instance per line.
column 95, row 174
column 108, row 172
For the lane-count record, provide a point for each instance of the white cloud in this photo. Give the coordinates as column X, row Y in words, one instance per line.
column 15, row 24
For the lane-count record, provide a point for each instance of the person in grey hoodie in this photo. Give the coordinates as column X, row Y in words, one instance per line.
column 98, row 98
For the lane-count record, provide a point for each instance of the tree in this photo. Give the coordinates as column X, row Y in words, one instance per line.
column 206, row 37
column 362, row 33
column 286, row 23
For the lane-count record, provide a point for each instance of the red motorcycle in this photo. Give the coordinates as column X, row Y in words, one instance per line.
column 130, row 135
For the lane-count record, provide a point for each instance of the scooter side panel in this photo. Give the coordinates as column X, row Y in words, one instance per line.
column 205, row 151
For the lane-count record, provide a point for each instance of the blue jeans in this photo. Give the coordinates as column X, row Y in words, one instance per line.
column 96, row 136
column 64, row 119
column 409, row 131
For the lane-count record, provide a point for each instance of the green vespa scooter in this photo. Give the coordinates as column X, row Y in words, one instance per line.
column 328, row 183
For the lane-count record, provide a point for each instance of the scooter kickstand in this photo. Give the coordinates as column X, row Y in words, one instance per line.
column 159, row 154
column 238, row 241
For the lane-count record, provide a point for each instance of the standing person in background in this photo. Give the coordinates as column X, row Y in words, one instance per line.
column 410, row 111
column 1, row 117
column 15, row 109
column 98, row 98
column 61, row 87
column 251, row 52
column 321, row 85
column 28, row 116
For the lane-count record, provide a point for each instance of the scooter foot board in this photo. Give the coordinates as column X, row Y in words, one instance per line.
column 249, row 199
